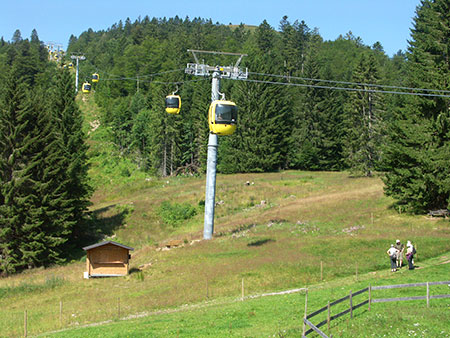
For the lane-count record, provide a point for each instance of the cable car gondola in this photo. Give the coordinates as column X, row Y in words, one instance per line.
column 70, row 65
column 173, row 104
column 86, row 88
column 95, row 77
column 222, row 117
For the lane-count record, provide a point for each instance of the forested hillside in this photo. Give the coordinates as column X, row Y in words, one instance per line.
column 308, row 104
column 279, row 126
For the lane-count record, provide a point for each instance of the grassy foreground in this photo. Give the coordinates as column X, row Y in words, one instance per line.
column 280, row 315
column 272, row 234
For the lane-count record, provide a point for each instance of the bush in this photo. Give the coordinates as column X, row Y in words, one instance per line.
column 175, row 213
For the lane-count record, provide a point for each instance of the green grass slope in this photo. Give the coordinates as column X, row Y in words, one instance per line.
column 280, row 315
column 273, row 245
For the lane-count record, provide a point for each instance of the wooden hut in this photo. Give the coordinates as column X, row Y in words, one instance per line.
column 107, row 259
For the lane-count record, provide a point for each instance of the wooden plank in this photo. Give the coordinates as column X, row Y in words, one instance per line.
column 360, row 291
column 306, row 311
column 361, row 304
column 383, row 300
column 316, row 329
column 407, row 285
column 439, row 283
column 317, row 325
column 439, row 296
column 340, row 314
column 315, row 313
column 328, row 316
column 384, row 287
column 351, row 305
column 339, row 300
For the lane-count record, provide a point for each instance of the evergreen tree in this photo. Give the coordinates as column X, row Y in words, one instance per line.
column 309, row 113
column 53, row 205
column 17, row 36
column 70, row 125
column 294, row 39
column 364, row 119
column 260, row 142
column 16, row 194
column 417, row 156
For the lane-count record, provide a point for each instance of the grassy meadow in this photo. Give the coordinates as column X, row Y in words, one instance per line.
column 280, row 315
column 273, row 232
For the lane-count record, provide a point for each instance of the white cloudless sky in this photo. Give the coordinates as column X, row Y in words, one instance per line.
column 386, row 21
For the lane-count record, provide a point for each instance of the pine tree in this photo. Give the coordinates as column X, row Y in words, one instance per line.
column 364, row 119
column 52, row 211
column 294, row 39
column 70, row 125
column 260, row 142
column 417, row 156
column 311, row 119
column 18, row 195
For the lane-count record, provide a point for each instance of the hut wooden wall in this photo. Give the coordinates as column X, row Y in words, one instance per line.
column 107, row 260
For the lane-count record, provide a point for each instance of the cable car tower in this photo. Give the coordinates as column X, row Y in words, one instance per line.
column 217, row 73
column 77, row 57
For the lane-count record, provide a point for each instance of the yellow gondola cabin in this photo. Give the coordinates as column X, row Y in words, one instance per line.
column 95, row 77
column 222, row 117
column 86, row 88
column 173, row 104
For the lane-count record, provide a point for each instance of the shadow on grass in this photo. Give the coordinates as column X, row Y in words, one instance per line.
column 97, row 225
column 260, row 242
column 134, row 270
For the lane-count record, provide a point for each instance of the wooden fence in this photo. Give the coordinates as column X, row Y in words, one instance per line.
column 369, row 301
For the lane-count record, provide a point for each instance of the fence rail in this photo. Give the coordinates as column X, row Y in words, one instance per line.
column 369, row 289
column 382, row 287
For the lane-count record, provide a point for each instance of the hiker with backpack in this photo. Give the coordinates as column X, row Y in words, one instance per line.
column 392, row 253
column 410, row 252
column 400, row 247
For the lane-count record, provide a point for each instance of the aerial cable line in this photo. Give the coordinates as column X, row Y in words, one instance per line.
column 299, row 84
column 118, row 77
column 352, row 83
column 160, row 73
column 345, row 88
column 178, row 82
column 156, row 81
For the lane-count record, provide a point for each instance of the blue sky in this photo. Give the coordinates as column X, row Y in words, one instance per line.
column 386, row 21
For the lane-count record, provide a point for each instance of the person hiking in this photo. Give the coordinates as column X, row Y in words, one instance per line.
column 392, row 253
column 410, row 251
column 400, row 247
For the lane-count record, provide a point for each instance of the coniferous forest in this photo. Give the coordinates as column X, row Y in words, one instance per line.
column 308, row 104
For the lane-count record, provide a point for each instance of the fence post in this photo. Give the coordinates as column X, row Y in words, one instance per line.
column 25, row 324
column 351, row 305
column 356, row 271
column 321, row 271
column 242, row 289
column 428, row 295
column 60, row 312
column 306, row 310
column 370, row 295
column 328, row 317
